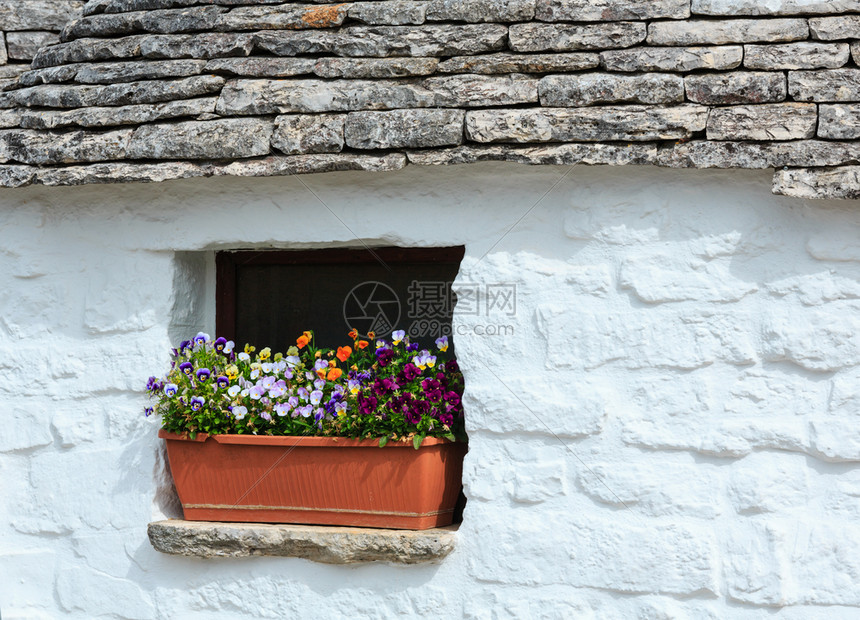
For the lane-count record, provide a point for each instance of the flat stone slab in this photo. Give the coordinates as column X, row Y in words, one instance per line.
column 329, row 545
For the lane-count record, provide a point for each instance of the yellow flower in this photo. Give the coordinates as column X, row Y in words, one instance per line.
column 231, row 371
column 265, row 354
column 293, row 351
column 249, row 349
column 256, row 366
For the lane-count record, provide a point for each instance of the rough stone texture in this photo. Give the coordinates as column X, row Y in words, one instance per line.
column 796, row 56
column 111, row 73
column 757, row 155
column 388, row 13
column 310, row 164
column 330, row 545
column 218, row 139
column 261, row 67
column 281, row 97
column 556, row 155
column 374, row 67
column 480, row 10
column 25, row 45
column 596, row 88
column 842, row 182
column 606, row 123
column 825, row 85
column 834, row 28
column 773, row 7
column 561, row 38
column 673, row 58
column 779, row 121
column 839, row 122
column 721, row 32
column 737, row 87
column 4, row 57
column 387, row 41
column 480, row 90
column 114, row 172
column 519, row 63
column 318, row 133
column 37, row 14
column 610, row 10
column 122, row 115
column 40, row 148
column 404, row 129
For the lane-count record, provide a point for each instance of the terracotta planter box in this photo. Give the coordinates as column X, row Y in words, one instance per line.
column 316, row 480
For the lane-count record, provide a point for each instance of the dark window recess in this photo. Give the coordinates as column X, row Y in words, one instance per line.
column 268, row 298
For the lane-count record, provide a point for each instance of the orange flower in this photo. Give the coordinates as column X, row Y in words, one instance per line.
column 361, row 344
column 371, row 335
column 343, row 353
column 353, row 334
column 334, row 374
column 302, row 341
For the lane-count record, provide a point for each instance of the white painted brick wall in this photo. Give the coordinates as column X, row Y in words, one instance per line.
column 672, row 432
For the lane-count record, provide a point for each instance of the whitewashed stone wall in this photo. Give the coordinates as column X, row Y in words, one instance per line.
column 672, row 432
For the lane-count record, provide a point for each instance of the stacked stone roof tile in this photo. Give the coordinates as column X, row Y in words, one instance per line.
column 150, row 90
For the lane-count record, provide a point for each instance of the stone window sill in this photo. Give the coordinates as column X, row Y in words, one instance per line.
column 330, row 545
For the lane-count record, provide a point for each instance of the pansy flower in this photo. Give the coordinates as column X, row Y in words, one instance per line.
column 187, row 368
column 228, row 348
column 256, row 392
column 222, row 382
column 303, row 394
column 201, row 338
column 316, row 397
column 334, row 374
column 203, row 375
column 343, row 353
column 234, row 389
column 197, row 403
column 353, row 333
column 170, row 390
column 362, row 344
column 442, row 343
column 302, row 341
column 282, row 409
column 232, row 371
column 397, row 336
column 244, row 357
column 265, row 354
column 340, row 409
column 353, row 386
column 249, row 349
column 219, row 344
column 239, row 412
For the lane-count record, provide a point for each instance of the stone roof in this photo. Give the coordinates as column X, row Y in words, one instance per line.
column 149, row 90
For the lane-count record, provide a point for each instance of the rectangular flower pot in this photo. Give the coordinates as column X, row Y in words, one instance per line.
column 316, row 480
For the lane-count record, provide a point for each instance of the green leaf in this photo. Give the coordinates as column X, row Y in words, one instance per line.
column 192, row 435
column 383, row 441
column 450, row 437
column 416, row 441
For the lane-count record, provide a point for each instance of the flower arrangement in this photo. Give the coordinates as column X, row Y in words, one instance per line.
column 390, row 390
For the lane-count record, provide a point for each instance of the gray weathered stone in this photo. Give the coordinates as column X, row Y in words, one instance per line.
column 835, row 28
column 256, row 66
column 681, row 59
column 803, row 55
column 202, row 45
column 404, row 129
column 825, row 85
column 599, row 124
column 9, row 118
column 113, row 72
column 114, row 116
column 610, row 10
column 855, row 52
column 839, row 121
column 4, row 57
column 283, row 165
column 283, row 16
column 842, row 182
column 758, row 155
column 41, row 148
column 170, row 21
column 481, row 90
column 447, row 40
column 151, row 91
column 17, row 176
column 773, row 7
column 480, row 10
column 388, row 12
column 593, row 88
column 229, row 138
column 777, row 121
column 120, row 172
column 94, row 7
column 283, row 96
column 374, row 67
column 309, row 133
column 520, row 63
column 554, row 155
column 330, row 545
column 561, row 38
column 38, row 14
column 736, row 87
column 12, row 71
column 25, row 45
column 721, row 32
